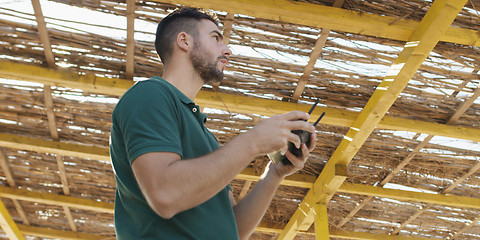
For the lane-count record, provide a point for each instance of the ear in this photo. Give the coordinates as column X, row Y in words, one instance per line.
column 184, row 41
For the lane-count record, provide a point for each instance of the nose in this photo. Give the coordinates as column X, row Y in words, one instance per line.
column 226, row 51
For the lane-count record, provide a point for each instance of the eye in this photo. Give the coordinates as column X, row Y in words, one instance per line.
column 216, row 37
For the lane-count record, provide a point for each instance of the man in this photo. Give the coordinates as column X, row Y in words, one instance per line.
column 172, row 176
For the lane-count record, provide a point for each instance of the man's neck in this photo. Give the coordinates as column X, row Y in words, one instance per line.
column 188, row 82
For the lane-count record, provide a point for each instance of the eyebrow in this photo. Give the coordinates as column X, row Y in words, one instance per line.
column 218, row 33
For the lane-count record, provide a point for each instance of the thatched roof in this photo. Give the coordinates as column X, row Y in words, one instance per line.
column 397, row 154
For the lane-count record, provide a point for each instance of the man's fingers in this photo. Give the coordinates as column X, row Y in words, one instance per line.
column 301, row 125
column 305, row 151
column 295, row 115
column 297, row 162
column 295, row 139
column 313, row 141
column 284, row 150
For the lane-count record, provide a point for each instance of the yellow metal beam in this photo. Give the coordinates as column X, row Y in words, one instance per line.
column 341, row 234
column 294, row 180
column 97, row 153
column 229, row 102
column 336, row 233
column 64, row 78
column 437, row 20
column 440, row 199
column 44, row 232
column 91, row 205
column 8, row 225
column 319, row 16
column 54, row 199
column 56, row 147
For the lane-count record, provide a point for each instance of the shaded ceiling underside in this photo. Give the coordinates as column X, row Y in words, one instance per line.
column 398, row 80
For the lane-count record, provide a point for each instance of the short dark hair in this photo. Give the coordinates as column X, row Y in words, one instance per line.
column 181, row 20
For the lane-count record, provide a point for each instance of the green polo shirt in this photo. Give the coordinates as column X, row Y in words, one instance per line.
column 154, row 116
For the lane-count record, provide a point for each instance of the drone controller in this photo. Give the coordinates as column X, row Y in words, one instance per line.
column 304, row 136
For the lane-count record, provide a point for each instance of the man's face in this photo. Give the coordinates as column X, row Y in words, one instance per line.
column 210, row 54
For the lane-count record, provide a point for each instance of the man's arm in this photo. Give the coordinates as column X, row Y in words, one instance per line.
column 172, row 185
column 250, row 210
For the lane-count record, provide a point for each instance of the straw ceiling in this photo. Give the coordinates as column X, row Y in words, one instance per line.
column 397, row 154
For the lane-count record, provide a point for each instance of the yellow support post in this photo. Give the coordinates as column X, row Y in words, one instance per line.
column 321, row 222
column 8, row 225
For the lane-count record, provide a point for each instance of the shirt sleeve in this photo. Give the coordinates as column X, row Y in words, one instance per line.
column 148, row 120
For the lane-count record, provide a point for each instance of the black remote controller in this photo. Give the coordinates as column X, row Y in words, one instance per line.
column 304, row 136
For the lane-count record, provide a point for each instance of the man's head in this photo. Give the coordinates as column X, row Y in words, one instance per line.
column 195, row 32
column 181, row 20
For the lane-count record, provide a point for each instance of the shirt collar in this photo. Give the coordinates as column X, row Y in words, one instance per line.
column 187, row 101
column 177, row 92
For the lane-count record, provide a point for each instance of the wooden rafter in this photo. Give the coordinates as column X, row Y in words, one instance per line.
column 235, row 103
column 316, row 15
column 459, row 112
column 42, row 29
column 130, row 65
column 48, row 101
column 419, row 45
column 43, row 32
column 6, row 169
column 469, row 173
column 47, row 93
column 50, row 60
column 6, row 222
column 11, row 182
column 314, row 55
column 464, row 229
column 228, row 27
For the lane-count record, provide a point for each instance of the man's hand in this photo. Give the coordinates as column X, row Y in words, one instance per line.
column 283, row 170
column 273, row 134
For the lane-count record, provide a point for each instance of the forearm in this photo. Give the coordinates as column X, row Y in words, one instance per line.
column 250, row 210
column 184, row 184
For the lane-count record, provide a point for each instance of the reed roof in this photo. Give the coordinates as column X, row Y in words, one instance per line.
column 397, row 153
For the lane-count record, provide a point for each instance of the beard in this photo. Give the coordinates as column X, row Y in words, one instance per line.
column 205, row 67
